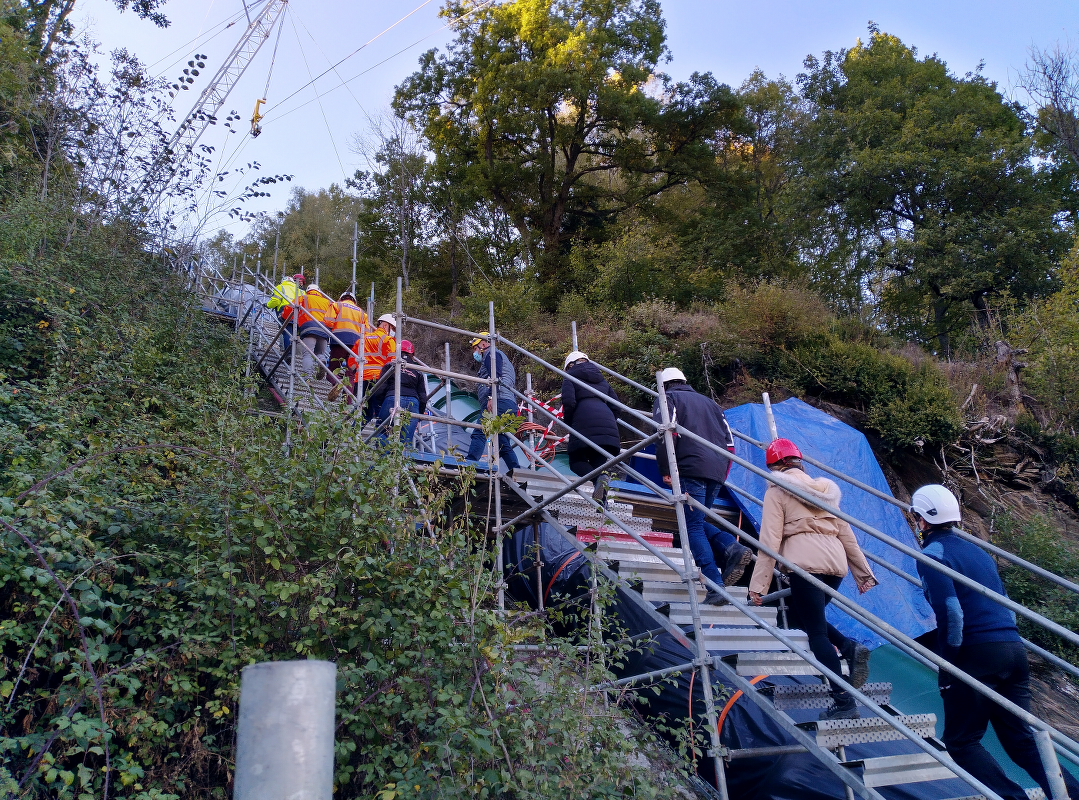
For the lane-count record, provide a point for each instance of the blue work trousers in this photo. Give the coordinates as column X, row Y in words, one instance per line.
column 704, row 537
column 407, row 404
column 505, row 446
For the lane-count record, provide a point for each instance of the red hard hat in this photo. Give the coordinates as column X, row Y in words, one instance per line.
column 780, row 449
column 406, row 347
column 298, row 277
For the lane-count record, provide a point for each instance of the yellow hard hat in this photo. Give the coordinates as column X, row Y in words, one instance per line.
column 479, row 339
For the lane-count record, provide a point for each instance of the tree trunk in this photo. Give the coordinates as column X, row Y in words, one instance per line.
column 981, row 309
column 453, row 265
column 940, row 315
column 1006, row 358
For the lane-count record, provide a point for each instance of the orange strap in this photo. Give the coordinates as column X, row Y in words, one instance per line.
column 558, row 572
column 730, row 704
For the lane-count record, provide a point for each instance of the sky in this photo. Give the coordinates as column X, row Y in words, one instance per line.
column 313, row 138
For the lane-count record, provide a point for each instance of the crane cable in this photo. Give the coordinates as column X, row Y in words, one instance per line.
column 383, row 61
column 256, row 117
column 322, row 108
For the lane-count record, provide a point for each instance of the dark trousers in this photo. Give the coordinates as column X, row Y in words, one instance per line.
column 586, row 459
column 505, row 446
column 806, row 612
column 705, row 539
column 1002, row 666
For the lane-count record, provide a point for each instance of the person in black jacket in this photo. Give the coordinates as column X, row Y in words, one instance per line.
column 588, row 413
column 413, row 393
column 701, row 472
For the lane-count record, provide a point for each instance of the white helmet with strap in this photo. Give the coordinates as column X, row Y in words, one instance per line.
column 672, row 374
column 576, row 355
column 935, row 504
column 389, row 319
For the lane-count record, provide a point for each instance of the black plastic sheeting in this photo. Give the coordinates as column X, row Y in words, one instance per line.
column 799, row 776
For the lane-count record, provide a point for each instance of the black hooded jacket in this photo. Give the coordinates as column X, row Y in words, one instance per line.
column 701, row 415
column 413, row 384
column 587, row 411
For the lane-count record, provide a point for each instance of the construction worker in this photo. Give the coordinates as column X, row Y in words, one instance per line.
column 979, row 636
column 379, row 346
column 313, row 307
column 824, row 546
column 285, row 294
column 503, row 401
column 413, row 392
column 587, row 412
column 349, row 324
column 701, row 472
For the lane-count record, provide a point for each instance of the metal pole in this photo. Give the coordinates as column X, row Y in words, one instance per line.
column 292, row 371
column 255, row 323
column 573, row 327
column 689, row 576
column 493, row 459
column 528, row 406
column 355, row 238
column 284, row 745
column 276, row 244
column 539, row 562
column 398, row 325
column 449, row 402
column 770, row 417
column 316, row 275
column 1057, row 787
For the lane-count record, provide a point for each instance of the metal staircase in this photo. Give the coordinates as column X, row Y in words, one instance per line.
column 736, row 641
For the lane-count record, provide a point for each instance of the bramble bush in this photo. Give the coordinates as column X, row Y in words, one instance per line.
column 188, row 543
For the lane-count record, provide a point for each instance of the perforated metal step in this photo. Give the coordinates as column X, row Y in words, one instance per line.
column 770, row 663
column 835, row 733
column 815, row 695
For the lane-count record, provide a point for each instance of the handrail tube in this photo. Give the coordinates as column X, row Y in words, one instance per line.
column 838, row 680
column 586, row 478
column 447, row 374
column 873, row 622
column 446, row 328
column 1007, row 602
column 998, row 551
column 460, row 423
column 610, row 401
column 644, row 676
column 624, row 379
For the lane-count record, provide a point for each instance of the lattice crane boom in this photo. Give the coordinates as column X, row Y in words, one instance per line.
column 204, row 112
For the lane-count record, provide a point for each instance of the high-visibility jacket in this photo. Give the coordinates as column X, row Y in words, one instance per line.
column 313, row 306
column 283, row 295
column 347, row 320
column 378, row 351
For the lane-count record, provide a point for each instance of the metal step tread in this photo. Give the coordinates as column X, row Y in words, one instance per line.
column 735, row 640
column 834, row 733
column 816, row 695
column 908, row 768
column 770, row 663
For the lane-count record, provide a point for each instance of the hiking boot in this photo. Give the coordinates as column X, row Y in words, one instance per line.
column 599, row 492
column 858, row 662
column 714, row 598
column 736, row 559
column 844, row 707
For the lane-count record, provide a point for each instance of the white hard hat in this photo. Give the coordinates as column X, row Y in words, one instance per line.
column 390, row 318
column 576, row 355
column 313, row 287
column 935, row 504
column 671, row 374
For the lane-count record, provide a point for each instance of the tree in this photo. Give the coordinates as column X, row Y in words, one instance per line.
column 554, row 110
column 927, row 185
column 1051, row 78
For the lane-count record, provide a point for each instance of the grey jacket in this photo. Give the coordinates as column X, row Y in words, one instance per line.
column 507, row 379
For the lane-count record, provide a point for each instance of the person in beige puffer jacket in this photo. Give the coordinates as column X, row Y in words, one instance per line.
column 824, row 546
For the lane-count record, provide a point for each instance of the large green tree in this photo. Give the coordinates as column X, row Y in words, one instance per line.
column 927, row 188
column 554, row 110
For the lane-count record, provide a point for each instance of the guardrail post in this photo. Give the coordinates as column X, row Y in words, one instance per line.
column 284, row 746
column 398, row 325
column 493, row 457
column 772, row 432
column 449, row 403
column 689, row 574
column 1052, row 765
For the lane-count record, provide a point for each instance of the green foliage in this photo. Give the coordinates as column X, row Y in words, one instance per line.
column 547, row 109
column 931, row 181
column 1038, row 541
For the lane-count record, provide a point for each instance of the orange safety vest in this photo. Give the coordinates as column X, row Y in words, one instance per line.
column 344, row 317
column 378, row 351
column 313, row 305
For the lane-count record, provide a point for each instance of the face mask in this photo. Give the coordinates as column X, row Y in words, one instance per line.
column 478, row 356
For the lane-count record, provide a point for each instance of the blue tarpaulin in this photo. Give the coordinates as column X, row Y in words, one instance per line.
column 843, row 448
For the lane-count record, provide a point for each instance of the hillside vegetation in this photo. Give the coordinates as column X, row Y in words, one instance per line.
column 881, row 237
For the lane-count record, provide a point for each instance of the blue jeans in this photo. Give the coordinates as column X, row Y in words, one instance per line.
column 703, row 535
column 505, row 446
column 407, row 404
